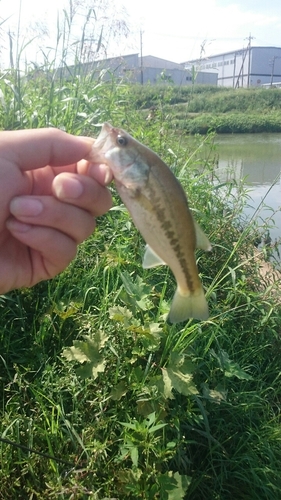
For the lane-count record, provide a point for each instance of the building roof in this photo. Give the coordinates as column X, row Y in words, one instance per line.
column 229, row 52
column 134, row 54
column 159, row 60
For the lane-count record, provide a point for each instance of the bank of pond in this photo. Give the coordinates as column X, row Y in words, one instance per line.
column 199, row 109
column 230, row 123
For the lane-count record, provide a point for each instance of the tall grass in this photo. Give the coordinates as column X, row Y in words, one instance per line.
column 200, row 109
column 119, row 403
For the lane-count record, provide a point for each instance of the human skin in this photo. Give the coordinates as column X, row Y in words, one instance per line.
column 49, row 198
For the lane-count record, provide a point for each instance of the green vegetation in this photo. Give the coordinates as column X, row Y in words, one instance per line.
column 121, row 404
column 200, row 109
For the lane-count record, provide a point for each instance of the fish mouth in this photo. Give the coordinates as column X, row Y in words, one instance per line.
column 99, row 148
column 103, row 135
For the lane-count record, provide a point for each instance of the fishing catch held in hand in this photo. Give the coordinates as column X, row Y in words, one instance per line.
column 159, row 208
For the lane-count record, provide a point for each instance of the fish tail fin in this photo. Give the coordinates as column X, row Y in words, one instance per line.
column 193, row 305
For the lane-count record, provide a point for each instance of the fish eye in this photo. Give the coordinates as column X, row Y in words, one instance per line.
column 121, row 140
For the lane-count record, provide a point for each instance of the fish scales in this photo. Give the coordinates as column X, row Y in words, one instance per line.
column 163, row 213
column 174, row 242
column 159, row 208
column 167, row 215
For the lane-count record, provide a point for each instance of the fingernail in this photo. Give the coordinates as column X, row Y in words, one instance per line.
column 25, row 207
column 106, row 171
column 17, row 226
column 108, row 176
column 67, row 188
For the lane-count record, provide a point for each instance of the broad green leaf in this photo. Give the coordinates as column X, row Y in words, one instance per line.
column 183, row 483
column 144, row 407
column 136, row 292
column 76, row 352
column 167, row 483
column 66, row 311
column 100, row 338
column 163, row 384
column 91, row 369
column 178, row 375
column 167, row 387
column 217, row 395
column 129, row 476
column 129, row 300
column 230, row 368
column 182, row 362
column 88, row 352
column 182, row 382
column 120, row 314
column 173, row 485
column 138, row 288
column 155, row 328
column 144, row 303
column 119, row 391
column 134, row 452
column 235, row 371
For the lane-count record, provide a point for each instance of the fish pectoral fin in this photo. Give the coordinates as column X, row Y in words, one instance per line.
column 151, row 259
column 201, row 238
column 193, row 305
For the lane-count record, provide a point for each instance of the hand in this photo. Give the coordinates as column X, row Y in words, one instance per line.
column 48, row 200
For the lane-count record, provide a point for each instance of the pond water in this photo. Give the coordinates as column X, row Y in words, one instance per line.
column 257, row 159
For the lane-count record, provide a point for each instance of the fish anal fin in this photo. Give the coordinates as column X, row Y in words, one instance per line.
column 184, row 307
column 151, row 259
column 201, row 238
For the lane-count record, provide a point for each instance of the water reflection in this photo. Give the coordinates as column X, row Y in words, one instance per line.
column 257, row 158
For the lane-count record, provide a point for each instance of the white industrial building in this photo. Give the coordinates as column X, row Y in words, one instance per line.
column 140, row 69
column 249, row 67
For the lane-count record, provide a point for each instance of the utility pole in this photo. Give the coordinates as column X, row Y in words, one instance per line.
column 272, row 63
column 241, row 72
column 234, row 68
column 141, row 60
column 249, row 58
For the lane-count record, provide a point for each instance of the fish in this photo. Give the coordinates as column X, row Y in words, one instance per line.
column 159, row 208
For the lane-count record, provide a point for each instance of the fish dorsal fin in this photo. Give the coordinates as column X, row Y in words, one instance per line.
column 151, row 259
column 201, row 238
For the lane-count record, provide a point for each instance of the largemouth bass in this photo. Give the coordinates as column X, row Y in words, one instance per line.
column 159, row 208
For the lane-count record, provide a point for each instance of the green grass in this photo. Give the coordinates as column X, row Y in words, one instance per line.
column 121, row 404
column 200, row 109
column 210, row 99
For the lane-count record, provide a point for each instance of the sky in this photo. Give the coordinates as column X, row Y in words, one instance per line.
column 176, row 30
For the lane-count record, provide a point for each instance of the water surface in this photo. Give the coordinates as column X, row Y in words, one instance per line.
column 257, row 159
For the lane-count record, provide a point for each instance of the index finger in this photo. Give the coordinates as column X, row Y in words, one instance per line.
column 31, row 149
